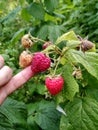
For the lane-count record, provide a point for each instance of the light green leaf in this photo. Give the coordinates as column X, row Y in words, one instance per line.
column 63, row 60
column 89, row 60
column 71, row 86
column 72, row 44
column 82, row 114
column 25, row 15
column 67, row 36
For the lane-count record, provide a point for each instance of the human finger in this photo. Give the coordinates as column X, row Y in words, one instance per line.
column 17, row 81
column 1, row 61
column 5, row 75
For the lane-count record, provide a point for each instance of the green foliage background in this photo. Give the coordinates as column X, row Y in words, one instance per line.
column 29, row 107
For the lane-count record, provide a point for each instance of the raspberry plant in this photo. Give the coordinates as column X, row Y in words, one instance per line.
column 75, row 105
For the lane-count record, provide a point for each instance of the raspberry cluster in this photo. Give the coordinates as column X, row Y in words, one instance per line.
column 40, row 62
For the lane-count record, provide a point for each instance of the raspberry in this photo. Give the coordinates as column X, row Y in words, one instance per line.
column 46, row 44
column 86, row 45
column 25, row 59
column 40, row 62
column 26, row 41
column 55, row 84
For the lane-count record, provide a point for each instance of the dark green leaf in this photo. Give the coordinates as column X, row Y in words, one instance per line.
column 51, row 4
column 82, row 114
column 52, row 32
column 45, row 115
column 36, row 10
column 15, row 112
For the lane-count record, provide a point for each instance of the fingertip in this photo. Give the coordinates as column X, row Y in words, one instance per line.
column 1, row 61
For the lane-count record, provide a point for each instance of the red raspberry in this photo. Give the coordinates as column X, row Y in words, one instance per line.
column 40, row 62
column 55, row 84
column 46, row 44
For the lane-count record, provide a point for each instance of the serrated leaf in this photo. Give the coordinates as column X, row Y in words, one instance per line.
column 89, row 60
column 67, row 36
column 36, row 10
column 46, row 115
column 5, row 122
column 82, row 114
column 71, row 86
column 15, row 112
column 72, row 44
column 91, row 88
column 43, row 32
column 52, row 32
column 51, row 4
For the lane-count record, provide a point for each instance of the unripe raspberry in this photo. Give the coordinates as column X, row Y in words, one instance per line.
column 77, row 74
column 25, row 59
column 86, row 45
column 26, row 41
column 46, row 44
column 54, row 84
column 40, row 62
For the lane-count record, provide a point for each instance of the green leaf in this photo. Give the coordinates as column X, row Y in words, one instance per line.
column 67, row 36
column 89, row 60
column 5, row 124
column 41, row 89
column 32, row 108
column 45, row 115
column 52, row 32
column 91, row 88
column 82, row 114
column 25, row 15
column 51, row 4
column 11, row 16
column 43, row 32
column 72, row 44
column 15, row 112
column 71, row 86
column 36, row 10
column 17, row 36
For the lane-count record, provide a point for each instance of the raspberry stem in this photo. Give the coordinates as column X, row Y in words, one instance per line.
column 56, row 66
column 35, row 39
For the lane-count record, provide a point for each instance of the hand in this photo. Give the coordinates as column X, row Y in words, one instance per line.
column 9, row 83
